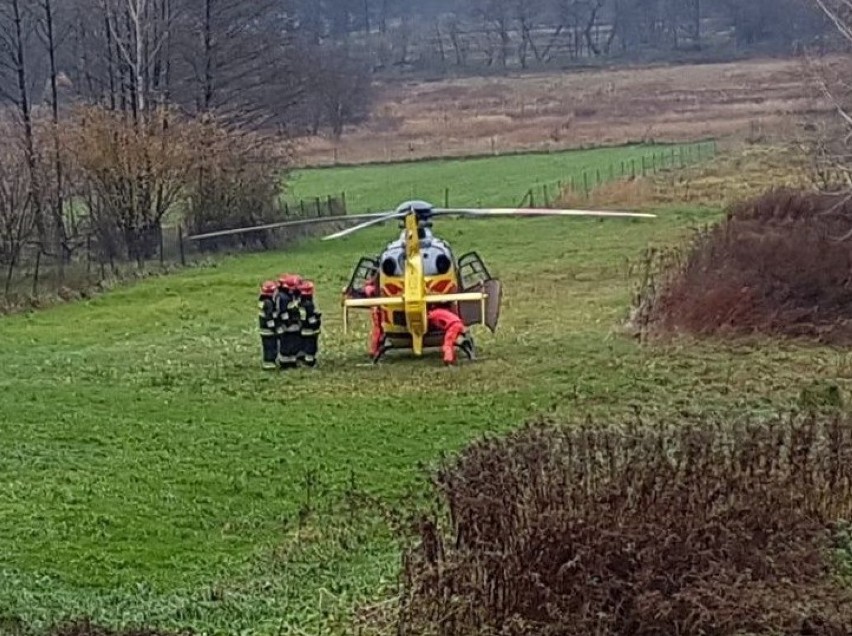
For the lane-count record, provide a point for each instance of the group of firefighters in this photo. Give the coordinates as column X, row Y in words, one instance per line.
column 289, row 322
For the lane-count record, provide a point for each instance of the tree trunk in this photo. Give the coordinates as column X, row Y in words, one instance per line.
column 26, row 116
column 59, row 203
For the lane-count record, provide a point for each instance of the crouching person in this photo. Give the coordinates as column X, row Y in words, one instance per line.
column 455, row 333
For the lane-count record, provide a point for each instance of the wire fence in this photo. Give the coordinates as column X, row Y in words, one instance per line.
column 90, row 263
column 586, row 181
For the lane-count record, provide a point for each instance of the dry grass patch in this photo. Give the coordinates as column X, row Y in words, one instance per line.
column 569, row 109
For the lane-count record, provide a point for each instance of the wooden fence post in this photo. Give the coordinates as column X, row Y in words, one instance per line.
column 35, row 273
column 162, row 249
column 180, row 243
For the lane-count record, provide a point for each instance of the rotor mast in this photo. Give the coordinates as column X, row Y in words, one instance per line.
column 415, row 285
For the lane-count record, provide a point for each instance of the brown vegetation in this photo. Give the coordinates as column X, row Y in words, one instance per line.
column 758, row 99
column 693, row 527
column 778, row 264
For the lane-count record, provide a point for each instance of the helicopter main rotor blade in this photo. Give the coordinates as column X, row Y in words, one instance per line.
column 295, row 222
column 540, row 212
column 361, row 226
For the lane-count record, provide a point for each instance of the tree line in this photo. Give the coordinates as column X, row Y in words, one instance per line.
column 118, row 114
column 465, row 34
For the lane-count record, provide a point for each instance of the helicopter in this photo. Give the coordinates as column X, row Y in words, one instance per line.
column 420, row 270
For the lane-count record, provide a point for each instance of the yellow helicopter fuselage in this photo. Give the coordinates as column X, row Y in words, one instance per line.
column 407, row 293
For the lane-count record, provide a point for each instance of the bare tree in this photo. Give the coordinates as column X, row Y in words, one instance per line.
column 17, row 217
column 16, row 29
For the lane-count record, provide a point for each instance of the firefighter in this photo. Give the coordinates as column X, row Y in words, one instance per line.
column 311, row 325
column 442, row 318
column 268, row 322
column 289, row 321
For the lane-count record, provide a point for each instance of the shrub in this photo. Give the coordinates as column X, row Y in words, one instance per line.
column 778, row 264
column 685, row 528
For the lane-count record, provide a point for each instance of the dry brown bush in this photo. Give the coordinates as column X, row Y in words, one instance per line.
column 235, row 180
column 778, row 264
column 690, row 528
column 130, row 174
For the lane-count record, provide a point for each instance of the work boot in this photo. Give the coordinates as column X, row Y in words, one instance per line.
column 467, row 346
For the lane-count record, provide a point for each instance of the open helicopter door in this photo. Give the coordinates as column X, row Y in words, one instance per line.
column 366, row 270
column 474, row 277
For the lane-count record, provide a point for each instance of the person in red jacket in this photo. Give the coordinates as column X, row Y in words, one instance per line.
column 377, row 334
column 455, row 333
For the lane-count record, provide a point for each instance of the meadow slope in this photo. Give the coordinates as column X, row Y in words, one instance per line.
column 153, row 473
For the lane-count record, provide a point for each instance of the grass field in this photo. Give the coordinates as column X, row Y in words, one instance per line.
column 489, row 181
column 152, row 473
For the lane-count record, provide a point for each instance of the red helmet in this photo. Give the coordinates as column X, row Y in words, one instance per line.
column 269, row 287
column 307, row 288
column 290, row 281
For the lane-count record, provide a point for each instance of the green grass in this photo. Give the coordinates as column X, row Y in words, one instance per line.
column 151, row 472
column 488, row 181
